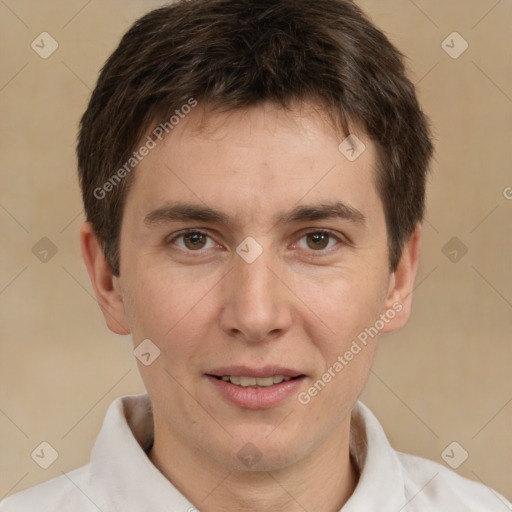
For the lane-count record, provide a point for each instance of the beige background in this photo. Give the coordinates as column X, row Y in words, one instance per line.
column 445, row 377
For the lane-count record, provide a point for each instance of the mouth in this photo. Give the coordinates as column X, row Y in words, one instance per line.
column 251, row 388
column 244, row 381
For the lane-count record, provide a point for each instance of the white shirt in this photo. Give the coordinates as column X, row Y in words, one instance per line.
column 120, row 477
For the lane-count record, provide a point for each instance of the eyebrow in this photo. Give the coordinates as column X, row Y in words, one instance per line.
column 324, row 211
column 301, row 213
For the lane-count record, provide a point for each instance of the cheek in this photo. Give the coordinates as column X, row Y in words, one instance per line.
column 163, row 300
column 343, row 306
column 345, row 310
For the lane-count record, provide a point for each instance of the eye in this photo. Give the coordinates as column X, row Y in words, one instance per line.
column 192, row 241
column 318, row 241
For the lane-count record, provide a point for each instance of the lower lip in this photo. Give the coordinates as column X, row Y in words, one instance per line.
column 257, row 398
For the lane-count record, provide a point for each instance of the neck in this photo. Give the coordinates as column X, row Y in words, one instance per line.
column 323, row 481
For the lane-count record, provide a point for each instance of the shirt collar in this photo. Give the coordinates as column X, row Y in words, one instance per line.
column 130, row 482
column 120, row 462
column 381, row 484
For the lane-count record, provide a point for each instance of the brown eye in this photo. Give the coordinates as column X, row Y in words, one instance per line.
column 195, row 240
column 318, row 241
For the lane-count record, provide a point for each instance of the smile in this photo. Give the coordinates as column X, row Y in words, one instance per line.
column 265, row 391
column 254, row 382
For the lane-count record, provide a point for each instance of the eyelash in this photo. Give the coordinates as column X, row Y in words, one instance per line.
column 317, row 253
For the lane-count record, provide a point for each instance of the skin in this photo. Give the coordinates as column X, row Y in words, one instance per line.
column 300, row 304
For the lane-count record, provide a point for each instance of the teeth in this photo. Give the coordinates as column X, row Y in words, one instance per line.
column 265, row 381
column 246, row 381
column 262, row 382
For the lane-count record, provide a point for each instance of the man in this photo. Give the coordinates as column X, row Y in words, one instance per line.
column 253, row 174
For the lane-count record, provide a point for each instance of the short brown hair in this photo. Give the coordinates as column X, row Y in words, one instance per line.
column 240, row 53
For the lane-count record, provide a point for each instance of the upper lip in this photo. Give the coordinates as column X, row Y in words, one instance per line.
column 246, row 371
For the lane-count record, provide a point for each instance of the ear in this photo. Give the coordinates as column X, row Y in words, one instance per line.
column 399, row 300
column 105, row 284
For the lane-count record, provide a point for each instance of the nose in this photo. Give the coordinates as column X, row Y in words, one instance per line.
column 257, row 305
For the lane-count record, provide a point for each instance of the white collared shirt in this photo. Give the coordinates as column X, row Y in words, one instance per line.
column 120, row 477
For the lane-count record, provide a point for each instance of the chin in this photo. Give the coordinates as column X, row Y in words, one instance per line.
column 257, row 453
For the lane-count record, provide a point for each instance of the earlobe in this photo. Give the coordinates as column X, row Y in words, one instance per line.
column 103, row 281
column 399, row 299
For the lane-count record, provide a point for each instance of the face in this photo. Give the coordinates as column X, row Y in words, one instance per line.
column 253, row 250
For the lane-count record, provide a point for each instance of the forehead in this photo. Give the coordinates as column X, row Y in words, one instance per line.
column 256, row 161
